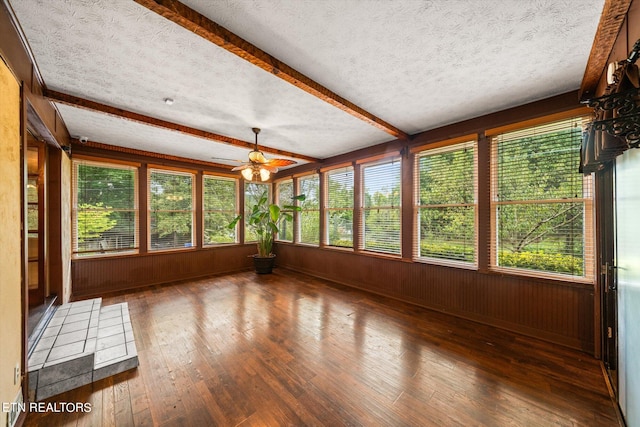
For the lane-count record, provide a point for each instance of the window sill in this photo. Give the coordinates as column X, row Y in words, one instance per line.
column 550, row 277
column 379, row 255
column 169, row 250
column 309, row 245
column 338, row 248
column 447, row 263
column 218, row 245
column 121, row 254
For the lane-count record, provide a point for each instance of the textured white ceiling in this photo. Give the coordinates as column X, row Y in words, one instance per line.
column 415, row 64
column 123, row 133
column 419, row 64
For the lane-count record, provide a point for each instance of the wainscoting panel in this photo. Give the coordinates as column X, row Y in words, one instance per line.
column 97, row 276
column 555, row 311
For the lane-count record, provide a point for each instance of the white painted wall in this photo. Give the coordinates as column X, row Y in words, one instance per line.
column 628, row 263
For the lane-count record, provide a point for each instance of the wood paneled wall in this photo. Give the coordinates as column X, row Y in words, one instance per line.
column 97, row 276
column 556, row 311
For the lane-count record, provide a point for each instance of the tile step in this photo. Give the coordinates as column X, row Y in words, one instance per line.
column 38, row 320
column 83, row 342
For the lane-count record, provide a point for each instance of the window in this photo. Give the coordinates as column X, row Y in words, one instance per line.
column 541, row 204
column 253, row 192
column 446, row 203
column 105, row 208
column 220, row 208
column 285, row 197
column 339, row 207
column 170, row 209
column 310, row 213
column 381, row 211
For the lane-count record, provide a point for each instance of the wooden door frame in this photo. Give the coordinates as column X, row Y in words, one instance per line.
column 41, row 292
column 606, row 310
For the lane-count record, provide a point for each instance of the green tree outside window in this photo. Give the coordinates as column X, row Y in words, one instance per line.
column 170, row 209
column 105, row 212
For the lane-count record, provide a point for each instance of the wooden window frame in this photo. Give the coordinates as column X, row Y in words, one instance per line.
column 298, row 190
column 280, row 203
column 235, row 210
column 194, row 206
column 587, row 201
column 245, row 212
column 105, row 163
column 327, row 210
column 363, row 165
column 457, row 144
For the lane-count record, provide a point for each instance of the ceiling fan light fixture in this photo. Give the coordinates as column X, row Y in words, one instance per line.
column 259, row 168
column 255, row 173
column 264, row 174
column 247, row 174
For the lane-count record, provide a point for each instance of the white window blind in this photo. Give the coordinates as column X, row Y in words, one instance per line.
column 105, row 208
column 446, row 203
column 309, row 226
column 219, row 209
column 381, row 212
column 253, row 192
column 285, row 197
column 171, row 209
column 339, row 207
column 542, row 206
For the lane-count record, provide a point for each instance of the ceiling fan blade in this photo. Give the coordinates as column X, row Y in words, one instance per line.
column 280, row 162
column 227, row 160
column 269, row 168
column 241, row 167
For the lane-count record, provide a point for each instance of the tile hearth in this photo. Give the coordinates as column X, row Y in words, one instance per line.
column 83, row 342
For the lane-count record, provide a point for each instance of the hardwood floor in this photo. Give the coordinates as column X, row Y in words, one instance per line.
column 288, row 349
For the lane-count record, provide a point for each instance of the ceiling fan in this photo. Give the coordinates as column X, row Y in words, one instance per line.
column 258, row 166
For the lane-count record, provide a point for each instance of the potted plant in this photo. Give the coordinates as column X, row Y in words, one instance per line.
column 264, row 219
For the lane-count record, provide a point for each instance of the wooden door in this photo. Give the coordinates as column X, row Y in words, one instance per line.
column 35, row 192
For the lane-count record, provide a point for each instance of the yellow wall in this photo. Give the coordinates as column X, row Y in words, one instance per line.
column 65, row 227
column 10, row 241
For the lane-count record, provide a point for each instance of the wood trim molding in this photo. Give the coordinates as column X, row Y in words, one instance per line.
column 445, row 142
column 114, row 148
column 168, row 168
column 581, row 111
column 613, row 15
column 388, row 155
column 87, row 104
column 229, row 176
column 307, row 173
column 202, row 26
column 97, row 159
column 337, row 166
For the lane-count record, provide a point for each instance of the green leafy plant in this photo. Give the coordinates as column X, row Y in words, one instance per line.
column 539, row 260
column 93, row 220
column 264, row 220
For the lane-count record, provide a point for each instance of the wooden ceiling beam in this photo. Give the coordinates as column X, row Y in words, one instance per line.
column 220, row 36
column 80, row 145
column 87, row 104
column 613, row 15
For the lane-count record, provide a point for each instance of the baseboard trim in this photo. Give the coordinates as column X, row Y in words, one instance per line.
column 612, row 395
